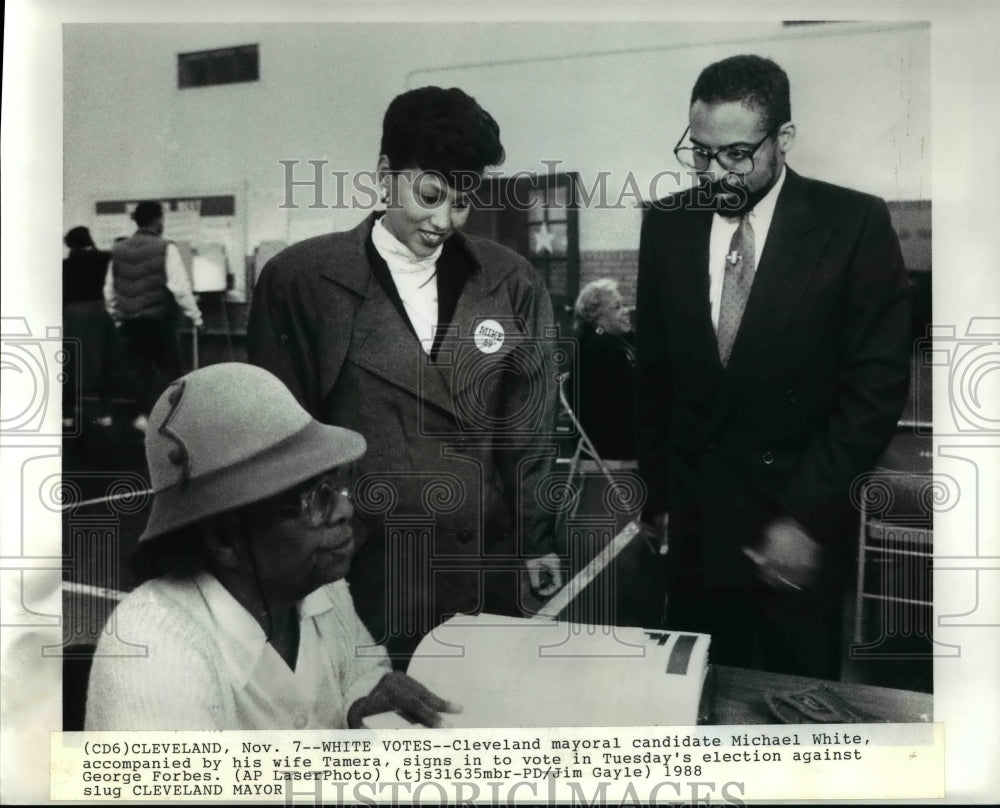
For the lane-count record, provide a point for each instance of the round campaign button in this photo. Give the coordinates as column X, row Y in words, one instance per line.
column 489, row 336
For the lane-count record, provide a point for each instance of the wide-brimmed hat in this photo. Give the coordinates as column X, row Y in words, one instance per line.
column 228, row 435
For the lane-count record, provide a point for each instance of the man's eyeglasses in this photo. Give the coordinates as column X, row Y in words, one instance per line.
column 736, row 158
column 314, row 501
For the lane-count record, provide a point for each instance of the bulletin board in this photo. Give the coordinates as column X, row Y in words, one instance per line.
column 203, row 226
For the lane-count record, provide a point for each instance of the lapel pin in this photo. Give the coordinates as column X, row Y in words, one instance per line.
column 489, row 336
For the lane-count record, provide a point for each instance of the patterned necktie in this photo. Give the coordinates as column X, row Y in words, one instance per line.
column 740, row 266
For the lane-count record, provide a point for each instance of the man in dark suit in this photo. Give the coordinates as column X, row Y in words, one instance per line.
column 773, row 363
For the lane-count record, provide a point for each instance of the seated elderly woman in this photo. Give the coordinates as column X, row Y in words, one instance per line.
column 250, row 624
column 606, row 369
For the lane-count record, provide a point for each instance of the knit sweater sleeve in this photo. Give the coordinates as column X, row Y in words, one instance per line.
column 179, row 284
column 152, row 673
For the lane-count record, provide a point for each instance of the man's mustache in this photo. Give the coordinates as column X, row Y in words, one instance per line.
column 725, row 195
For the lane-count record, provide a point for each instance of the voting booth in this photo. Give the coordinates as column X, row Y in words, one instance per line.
column 206, row 229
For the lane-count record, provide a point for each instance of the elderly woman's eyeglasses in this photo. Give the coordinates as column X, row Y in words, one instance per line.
column 314, row 501
column 737, row 157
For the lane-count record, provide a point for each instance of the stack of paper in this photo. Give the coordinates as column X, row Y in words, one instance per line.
column 513, row 672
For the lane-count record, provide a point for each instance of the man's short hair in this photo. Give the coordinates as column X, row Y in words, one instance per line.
column 147, row 212
column 754, row 81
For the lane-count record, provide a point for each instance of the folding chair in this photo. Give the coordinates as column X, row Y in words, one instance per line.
column 584, row 446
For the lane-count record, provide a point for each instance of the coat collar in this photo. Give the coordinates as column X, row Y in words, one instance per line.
column 355, row 272
column 241, row 640
column 385, row 346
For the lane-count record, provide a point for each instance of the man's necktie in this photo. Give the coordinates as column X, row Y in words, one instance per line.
column 740, row 266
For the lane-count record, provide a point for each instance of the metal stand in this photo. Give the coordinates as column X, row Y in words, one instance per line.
column 226, row 328
column 584, row 447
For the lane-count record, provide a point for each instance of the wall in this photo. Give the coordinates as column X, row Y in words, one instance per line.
column 620, row 114
column 596, row 97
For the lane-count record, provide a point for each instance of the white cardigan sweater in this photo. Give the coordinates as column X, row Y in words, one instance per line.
column 184, row 654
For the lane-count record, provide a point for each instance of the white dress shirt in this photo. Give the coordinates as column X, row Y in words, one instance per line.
column 723, row 229
column 415, row 280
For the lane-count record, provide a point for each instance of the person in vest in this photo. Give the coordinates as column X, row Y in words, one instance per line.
column 146, row 290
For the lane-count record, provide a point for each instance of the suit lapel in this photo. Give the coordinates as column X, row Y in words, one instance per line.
column 688, row 303
column 794, row 245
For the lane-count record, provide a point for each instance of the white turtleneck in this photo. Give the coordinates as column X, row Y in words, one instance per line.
column 415, row 281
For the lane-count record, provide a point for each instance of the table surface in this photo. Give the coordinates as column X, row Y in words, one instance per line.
column 740, row 697
column 739, row 693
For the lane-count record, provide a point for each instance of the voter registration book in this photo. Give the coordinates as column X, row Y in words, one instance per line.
column 519, row 672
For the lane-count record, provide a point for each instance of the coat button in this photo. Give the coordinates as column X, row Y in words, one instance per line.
column 463, row 536
column 710, row 447
column 768, row 458
column 791, row 396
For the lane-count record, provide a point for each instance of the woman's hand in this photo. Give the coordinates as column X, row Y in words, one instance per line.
column 397, row 691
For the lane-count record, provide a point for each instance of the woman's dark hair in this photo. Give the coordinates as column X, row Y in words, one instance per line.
column 444, row 131
column 753, row 81
column 78, row 238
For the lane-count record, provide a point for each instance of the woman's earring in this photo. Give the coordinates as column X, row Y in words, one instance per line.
column 385, row 195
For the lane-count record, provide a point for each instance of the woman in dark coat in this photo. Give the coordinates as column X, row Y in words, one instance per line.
column 435, row 347
column 606, row 369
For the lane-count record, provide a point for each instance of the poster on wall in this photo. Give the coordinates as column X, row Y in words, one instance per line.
column 203, row 226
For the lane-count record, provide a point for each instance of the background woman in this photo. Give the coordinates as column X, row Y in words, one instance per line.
column 433, row 346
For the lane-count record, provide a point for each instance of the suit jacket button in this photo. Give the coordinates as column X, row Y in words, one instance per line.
column 710, row 447
column 462, row 536
column 768, row 458
column 791, row 396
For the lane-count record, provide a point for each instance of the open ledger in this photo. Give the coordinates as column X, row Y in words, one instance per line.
column 519, row 672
